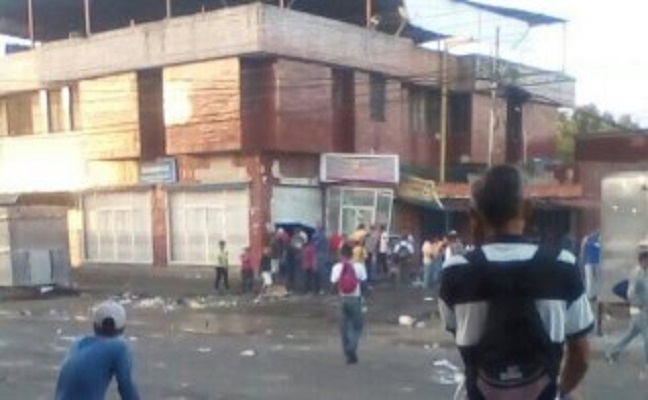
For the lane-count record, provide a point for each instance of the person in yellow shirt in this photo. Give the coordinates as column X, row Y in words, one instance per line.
column 359, row 252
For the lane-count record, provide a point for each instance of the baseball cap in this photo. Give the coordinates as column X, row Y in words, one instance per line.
column 110, row 309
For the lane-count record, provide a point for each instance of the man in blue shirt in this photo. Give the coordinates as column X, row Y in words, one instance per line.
column 591, row 260
column 93, row 360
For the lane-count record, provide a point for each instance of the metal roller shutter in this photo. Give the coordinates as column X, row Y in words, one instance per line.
column 199, row 220
column 118, row 227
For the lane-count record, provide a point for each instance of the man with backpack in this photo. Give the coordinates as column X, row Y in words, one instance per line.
column 349, row 277
column 517, row 310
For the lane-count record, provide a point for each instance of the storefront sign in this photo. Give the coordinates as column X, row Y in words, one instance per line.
column 417, row 189
column 336, row 167
column 163, row 170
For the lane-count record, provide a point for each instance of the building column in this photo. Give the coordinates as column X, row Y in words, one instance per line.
column 160, row 233
column 260, row 194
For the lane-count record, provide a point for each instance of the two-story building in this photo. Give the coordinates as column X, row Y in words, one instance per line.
column 175, row 124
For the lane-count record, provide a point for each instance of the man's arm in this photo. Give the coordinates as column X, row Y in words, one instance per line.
column 577, row 356
column 123, row 374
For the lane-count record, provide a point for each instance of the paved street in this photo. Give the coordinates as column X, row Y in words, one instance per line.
column 238, row 350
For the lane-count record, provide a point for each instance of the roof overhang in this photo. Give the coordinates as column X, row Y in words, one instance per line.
column 531, row 18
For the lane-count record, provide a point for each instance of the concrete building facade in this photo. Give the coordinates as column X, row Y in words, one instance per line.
column 177, row 133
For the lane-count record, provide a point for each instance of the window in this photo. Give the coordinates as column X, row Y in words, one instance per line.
column 377, row 97
column 460, row 113
column 19, row 115
column 424, row 110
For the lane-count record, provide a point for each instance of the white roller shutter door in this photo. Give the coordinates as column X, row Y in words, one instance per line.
column 198, row 220
column 118, row 227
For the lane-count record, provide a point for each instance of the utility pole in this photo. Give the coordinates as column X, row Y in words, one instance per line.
column 86, row 14
column 444, row 114
column 493, row 93
column 30, row 22
column 369, row 12
column 169, row 10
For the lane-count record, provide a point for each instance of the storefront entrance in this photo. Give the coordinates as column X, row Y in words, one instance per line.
column 348, row 207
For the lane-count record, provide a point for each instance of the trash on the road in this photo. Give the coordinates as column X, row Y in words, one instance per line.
column 420, row 324
column 154, row 302
column 59, row 331
column 25, row 313
column 445, row 372
column 268, row 332
column 132, row 338
column 195, row 304
column 46, row 289
column 428, row 299
column 405, row 320
column 248, row 353
column 67, row 338
column 204, row 350
column 81, row 318
column 290, row 336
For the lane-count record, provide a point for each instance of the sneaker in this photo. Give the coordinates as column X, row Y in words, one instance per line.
column 611, row 359
column 352, row 358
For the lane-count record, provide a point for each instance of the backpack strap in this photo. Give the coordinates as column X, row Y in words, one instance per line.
column 546, row 255
column 477, row 257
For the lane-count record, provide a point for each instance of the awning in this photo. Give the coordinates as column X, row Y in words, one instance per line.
column 531, row 18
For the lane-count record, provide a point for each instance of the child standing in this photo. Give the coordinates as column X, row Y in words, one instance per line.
column 222, row 266
column 266, row 270
column 247, row 271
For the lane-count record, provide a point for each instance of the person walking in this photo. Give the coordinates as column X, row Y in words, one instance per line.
column 518, row 311
column 247, row 272
column 94, row 360
column 383, row 250
column 349, row 277
column 371, row 246
column 638, row 298
column 265, row 269
column 222, row 267
column 428, row 255
column 309, row 265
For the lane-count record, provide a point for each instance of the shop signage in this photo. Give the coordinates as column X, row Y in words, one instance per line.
column 336, row 167
column 163, row 170
column 417, row 189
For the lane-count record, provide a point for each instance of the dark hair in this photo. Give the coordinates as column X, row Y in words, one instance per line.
column 346, row 251
column 643, row 254
column 107, row 328
column 499, row 194
column 221, row 243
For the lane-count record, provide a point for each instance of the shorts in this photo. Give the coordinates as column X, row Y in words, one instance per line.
column 266, row 277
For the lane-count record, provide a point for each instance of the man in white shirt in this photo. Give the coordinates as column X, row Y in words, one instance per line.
column 349, row 277
column 383, row 250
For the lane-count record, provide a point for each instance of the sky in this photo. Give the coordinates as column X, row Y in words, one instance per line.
column 604, row 50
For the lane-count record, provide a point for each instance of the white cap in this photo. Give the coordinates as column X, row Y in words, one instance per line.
column 110, row 309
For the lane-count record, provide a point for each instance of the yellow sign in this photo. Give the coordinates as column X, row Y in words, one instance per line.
column 418, row 189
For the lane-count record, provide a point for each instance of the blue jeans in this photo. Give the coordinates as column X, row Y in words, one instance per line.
column 351, row 325
column 638, row 327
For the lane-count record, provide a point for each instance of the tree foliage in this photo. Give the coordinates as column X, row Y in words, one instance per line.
column 585, row 120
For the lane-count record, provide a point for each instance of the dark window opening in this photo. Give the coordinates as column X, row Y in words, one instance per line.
column 377, row 97
column 460, row 113
column 424, row 110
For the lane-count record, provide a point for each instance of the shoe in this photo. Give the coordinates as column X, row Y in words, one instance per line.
column 611, row 359
column 352, row 358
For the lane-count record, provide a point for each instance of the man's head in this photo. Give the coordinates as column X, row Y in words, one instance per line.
column 221, row 244
column 109, row 319
column 346, row 252
column 453, row 236
column 361, row 226
column 499, row 201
